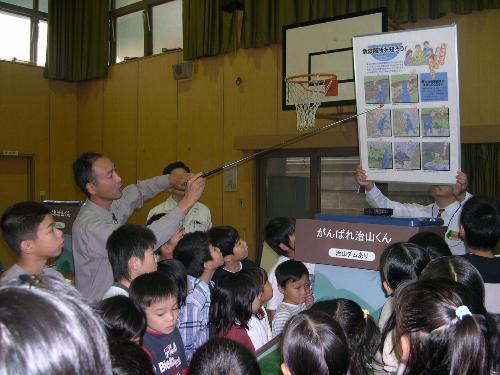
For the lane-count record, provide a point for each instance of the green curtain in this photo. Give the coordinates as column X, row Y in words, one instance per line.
column 207, row 30
column 481, row 163
column 77, row 40
column 263, row 20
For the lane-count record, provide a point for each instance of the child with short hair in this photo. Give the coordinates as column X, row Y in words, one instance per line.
column 166, row 251
column 158, row 297
column 280, row 236
column 233, row 249
column 361, row 331
column 259, row 329
column 234, row 300
column 480, row 229
column 128, row 358
column 123, row 318
column 201, row 260
column 130, row 252
column 293, row 282
column 30, row 231
column 440, row 331
column 400, row 262
column 314, row 343
column 176, row 271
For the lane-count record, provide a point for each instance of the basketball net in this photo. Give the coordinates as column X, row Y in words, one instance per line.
column 306, row 92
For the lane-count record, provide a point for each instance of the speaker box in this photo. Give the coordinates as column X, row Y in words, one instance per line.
column 183, row 70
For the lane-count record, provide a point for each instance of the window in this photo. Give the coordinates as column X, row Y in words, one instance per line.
column 23, row 23
column 143, row 28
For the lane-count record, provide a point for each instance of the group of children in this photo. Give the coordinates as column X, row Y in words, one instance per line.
column 205, row 307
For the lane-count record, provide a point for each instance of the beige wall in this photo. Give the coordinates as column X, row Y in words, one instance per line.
column 143, row 119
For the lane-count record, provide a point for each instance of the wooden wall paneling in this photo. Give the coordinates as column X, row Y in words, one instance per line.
column 120, row 120
column 24, row 114
column 157, row 122
column 63, row 149
column 250, row 108
column 200, row 127
column 90, row 116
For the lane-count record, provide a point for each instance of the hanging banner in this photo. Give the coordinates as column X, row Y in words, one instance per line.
column 415, row 136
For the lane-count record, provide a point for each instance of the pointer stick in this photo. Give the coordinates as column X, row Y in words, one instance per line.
column 287, row 142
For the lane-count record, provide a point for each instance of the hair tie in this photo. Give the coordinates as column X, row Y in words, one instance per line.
column 462, row 311
column 366, row 312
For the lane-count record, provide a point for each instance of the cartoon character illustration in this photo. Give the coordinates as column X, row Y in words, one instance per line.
column 405, row 93
column 382, row 95
column 427, row 50
column 409, row 124
column 418, row 55
column 381, row 124
column 428, row 124
column 400, row 157
column 409, row 57
column 385, row 159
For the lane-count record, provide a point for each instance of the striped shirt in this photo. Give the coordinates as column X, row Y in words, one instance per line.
column 283, row 314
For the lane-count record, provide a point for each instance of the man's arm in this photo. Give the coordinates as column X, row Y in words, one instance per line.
column 460, row 188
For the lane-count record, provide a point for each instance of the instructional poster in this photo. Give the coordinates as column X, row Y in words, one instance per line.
column 415, row 135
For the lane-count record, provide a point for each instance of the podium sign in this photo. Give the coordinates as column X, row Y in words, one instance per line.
column 64, row 213
column 355, row 241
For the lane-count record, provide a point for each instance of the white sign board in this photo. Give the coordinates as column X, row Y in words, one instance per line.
column 415, row 136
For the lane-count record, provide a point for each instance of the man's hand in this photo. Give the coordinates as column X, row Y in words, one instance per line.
column 361, row 179
column 460, row 187
column 179, row 180
column 193, row 191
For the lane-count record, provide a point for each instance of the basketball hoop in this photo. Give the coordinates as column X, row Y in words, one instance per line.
column 306, row 91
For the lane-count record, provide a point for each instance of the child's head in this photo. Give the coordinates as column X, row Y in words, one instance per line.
column 280, row 235
column 480, row 223
column 47, row 327
column 265, row 289
column 166, row 250
column 128, row 358
column 176, row 271
column 196, row 253
column 457, row 269
column 438, row 328
column 433, row 243
column 233, row 301
column 360, row 330
column 157, row 295
column 29, row 229
column 313, row 343
column 130, row 251
column 122, row 317
column 228, row 241
column 400, row 262
column 293, row 281
column 223, row 357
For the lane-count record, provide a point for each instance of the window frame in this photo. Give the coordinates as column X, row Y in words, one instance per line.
column 34, row 15
column 146, row 7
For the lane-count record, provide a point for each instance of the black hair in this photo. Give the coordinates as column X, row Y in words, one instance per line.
column 122, row 317
column 154, row 218
column 259, row 274
column 440, row 341
column 458, row 269
column 128, row 358
column 231, row 302
column 220, row 356
column 402, row 261
column 20, row 222
column 127, row 241
column 178, row 164
column 193, row 250
column 83, row 172
column 46, row 327
column 360, row 330
column 314, row 343
column 224, row 237
column 433, row 243
column 481, row 221
column 290, row 270
column 152, row 287
column 176, row 271
column 279, row 230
